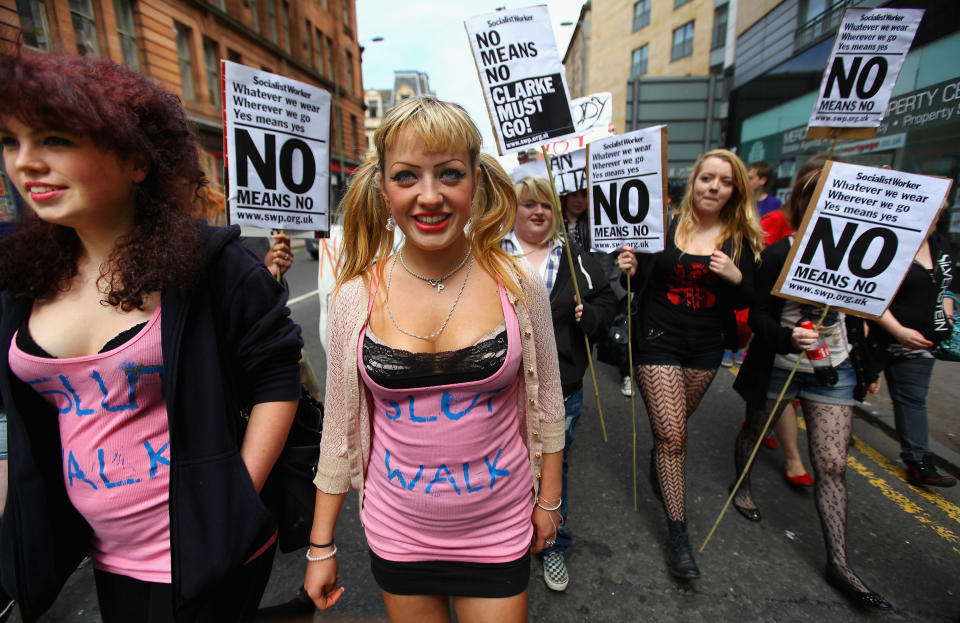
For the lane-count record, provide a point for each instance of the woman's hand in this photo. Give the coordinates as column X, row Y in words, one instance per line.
column 874, row 387
column 627, row 261
column 803, row 339
column 722, row 265
column 578, row 310
column 279, row 258
column 544, row 529
column 911, row 338
column 321, row 582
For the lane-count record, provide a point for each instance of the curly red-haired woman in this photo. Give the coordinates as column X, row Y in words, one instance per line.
column 133, row 337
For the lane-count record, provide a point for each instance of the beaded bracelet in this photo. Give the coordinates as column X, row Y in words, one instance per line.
column 321, row 558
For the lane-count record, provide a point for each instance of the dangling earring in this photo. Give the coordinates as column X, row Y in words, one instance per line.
column 390, row 226
column 468, row 225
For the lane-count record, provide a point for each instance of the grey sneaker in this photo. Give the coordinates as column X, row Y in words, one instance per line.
column 626, row 386
column 555, row 572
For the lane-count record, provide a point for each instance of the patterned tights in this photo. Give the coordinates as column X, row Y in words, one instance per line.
column 828, row 435
column 671, row 394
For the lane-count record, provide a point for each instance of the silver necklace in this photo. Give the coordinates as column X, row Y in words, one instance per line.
column 438, row 282
column 445, row 320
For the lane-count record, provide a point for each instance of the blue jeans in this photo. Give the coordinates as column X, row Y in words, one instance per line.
column 572, row 406
column 908, row 381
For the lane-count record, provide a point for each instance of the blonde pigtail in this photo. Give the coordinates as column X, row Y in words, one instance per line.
column 364, row 215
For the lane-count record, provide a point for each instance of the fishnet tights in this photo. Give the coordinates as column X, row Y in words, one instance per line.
column 671, row 394
column 828, row 435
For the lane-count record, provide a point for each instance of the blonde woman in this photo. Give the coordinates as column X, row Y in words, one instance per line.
column 687, row 296
column 443, row 402
column 536, row 237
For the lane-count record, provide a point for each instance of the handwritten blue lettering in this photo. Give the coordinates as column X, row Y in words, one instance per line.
column 66, row 384
column 52, row 391
column 155, row 459
column 391, row 474
column 466, row 479
column 437, row 478
column 393, row 404
column 74, row 471
column 446, row 401
column 106, row 481
column 494, row 472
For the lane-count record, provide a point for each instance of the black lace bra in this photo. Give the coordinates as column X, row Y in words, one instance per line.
column 395, row 368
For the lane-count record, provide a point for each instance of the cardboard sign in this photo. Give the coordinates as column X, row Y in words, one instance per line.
column 277, row 150
column 569, row 171
column 859, row 236
column 627, row 188
column 868, row 53
column 522, row 77
column 592, row 118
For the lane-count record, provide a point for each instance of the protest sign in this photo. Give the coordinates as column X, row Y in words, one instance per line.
column 569, row 171
column 859, row 236
column 627, row 190
column 868, row 53
column 522, row 77
column 592, row 119
column 277, row 150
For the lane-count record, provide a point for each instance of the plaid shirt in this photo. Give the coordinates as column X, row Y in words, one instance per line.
column 547, row 270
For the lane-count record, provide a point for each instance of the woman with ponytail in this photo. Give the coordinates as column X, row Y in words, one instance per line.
column 444, row 406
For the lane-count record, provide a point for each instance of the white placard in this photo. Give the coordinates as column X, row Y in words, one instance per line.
column 277, row 150
column 569, row 171
column 626, row 191
column 859, row 236
column 522, row 77
column 868, row 53
column 592, row 118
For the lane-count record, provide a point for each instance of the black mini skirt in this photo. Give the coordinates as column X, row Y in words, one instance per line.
column 457, row 579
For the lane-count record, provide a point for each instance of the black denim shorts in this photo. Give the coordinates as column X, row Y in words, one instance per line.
column 700, row 351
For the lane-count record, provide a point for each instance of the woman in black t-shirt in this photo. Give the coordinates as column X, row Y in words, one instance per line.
column 687, row 296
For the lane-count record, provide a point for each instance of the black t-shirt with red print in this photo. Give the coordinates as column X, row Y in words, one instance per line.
column 683, row 293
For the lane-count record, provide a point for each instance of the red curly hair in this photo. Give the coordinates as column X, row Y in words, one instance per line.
column 124, row 112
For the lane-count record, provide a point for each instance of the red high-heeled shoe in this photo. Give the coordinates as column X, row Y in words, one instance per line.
column 803, row 480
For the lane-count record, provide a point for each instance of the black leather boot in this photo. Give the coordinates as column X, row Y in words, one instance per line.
column 682, row 564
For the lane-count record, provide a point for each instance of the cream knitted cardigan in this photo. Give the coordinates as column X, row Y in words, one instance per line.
column 345, row 447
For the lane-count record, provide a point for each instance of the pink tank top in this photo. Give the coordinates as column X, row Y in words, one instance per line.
column 449, row 475
column 115, row 442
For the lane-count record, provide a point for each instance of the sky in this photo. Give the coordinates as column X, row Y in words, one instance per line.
column 428, row 35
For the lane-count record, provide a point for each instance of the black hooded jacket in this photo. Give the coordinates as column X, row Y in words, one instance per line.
column 230, row 343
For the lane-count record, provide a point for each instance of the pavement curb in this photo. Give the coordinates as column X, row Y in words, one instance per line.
column 946, row 459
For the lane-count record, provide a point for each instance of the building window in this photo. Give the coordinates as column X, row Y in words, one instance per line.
column 373, row 110
column 356, row 136
column 185, row 59
column 818, row 18
column 679, row 3
column 233, row 56
column 349, row 72
column 285, row 25
column 330, row 57
column 346, row 13
column 221, row 4
column 85, row 27
column 308, row 41
column 255, row 15
column 33, row 21
column 272, row 20
column 719, row 27
column 682, row 42
column 641, row 14
column 211, row 60
column 128, row 36
column 638, row 61
column 318, row 51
